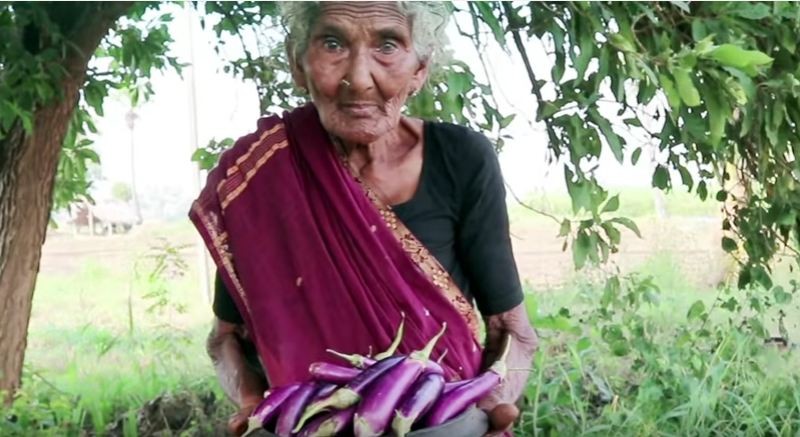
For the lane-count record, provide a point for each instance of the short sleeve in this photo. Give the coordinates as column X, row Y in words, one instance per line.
column 483, row 241
column 224, row 307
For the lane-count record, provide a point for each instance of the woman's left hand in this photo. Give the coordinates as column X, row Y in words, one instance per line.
column 514, row 325
column 502, row 417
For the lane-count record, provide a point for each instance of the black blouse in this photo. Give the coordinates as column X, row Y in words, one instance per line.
column 459, row 214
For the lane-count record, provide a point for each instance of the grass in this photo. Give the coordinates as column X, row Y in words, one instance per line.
column 110, row 337
column 105, row 340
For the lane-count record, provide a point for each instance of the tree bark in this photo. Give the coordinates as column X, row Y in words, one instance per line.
column 28, row 166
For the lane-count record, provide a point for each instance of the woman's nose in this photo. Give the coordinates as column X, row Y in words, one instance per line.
column 359, row 75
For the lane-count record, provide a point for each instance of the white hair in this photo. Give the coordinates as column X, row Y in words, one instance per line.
column 428, row 21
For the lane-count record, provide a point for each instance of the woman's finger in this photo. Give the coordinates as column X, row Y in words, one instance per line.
column 237, row 424
column 502, row 417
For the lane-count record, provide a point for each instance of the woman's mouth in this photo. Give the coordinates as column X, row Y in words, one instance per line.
column 359, row 109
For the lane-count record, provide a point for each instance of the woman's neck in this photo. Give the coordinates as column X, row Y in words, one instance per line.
column 386, row 150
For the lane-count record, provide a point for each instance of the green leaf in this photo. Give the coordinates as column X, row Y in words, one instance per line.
column 682, row 5
column 734, row 56
column 583, row 344
column 686, row 177
column 781, row 296
column 586, row 51
column 729, row 244
column 636, row 155
column 731, row 304
column 581, row 249
column 457, row 82
column 686, row 89
column 487, row 15
column 661, row 177
column 612, row 204
column 555, row 323
column 628, row 223
column 745, row 277
column 699, row 31
column 547, row 109
column 615, row 338
column 696, row 310
column 505, row 121
column 621, row 43
column 787, row 38
column 566, row 226
column 750, row 10
column 615, row 142
column 761, row 276
column 614, row 236
column 702, row 190
column 580, row 192
column 787, row 218
column 717, row 117
column 757, row 327
column 673, row 97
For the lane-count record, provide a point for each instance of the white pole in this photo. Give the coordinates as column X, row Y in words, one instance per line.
column 203, row 264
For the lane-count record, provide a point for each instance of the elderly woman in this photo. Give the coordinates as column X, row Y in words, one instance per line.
column 329, row 223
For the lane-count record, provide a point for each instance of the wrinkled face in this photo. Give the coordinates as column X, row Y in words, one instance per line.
column 360, row 67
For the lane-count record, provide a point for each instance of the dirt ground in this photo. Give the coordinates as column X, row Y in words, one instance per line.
column 693, row 242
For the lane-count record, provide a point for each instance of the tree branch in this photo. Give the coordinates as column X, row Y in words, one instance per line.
column 535, row 89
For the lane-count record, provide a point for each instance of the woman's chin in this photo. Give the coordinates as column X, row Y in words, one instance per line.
column 359, row 133
column 357, row 130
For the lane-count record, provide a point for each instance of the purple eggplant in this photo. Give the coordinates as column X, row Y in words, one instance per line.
column 419, row 399
column 459, row 398
column 360, row 361
column 324, row 390
column 351, row 393
column 355, row 360
column 293, row 408
column 332, row 372
column 270, row 406
column 449, row 386
column 433, row 367
column 376, row 409
column 330, row 424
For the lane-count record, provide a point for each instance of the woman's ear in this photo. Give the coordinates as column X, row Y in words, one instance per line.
column 296, row 66
column 420, row 76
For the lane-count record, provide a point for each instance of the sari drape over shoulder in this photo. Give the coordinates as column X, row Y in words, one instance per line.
column 314, row 261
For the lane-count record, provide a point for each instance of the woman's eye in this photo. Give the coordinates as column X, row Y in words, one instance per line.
column 388, row 47
column 331, row 43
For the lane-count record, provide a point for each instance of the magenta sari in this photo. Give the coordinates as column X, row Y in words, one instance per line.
column 314, row 261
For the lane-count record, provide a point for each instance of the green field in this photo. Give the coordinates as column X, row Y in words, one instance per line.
column 108, row 338
column 634, row 203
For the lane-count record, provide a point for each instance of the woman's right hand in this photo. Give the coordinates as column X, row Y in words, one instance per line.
column 237, row 423
column 242, row 386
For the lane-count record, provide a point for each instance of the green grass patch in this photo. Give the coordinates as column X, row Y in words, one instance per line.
column 116, row 349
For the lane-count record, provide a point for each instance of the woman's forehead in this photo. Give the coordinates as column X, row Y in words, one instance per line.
column 387, row 13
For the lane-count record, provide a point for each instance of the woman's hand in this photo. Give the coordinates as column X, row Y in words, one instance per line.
column 243, row 386
column 502, row 417
column 513, row 324
column 237, row 423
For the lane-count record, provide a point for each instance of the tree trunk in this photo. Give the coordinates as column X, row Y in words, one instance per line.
column 28, row 166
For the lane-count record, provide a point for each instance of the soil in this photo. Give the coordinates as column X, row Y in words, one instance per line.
column 694, row 244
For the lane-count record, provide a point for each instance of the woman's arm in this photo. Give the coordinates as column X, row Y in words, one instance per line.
column 524, row 342
column 241, row 384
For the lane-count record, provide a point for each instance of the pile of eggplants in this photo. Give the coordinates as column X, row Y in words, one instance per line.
column 372, row 396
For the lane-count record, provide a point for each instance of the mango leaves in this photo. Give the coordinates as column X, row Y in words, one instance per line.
column 725, row 78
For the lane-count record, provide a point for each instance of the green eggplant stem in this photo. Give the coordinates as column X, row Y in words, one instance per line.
column 396, row 342
column 425, row 352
